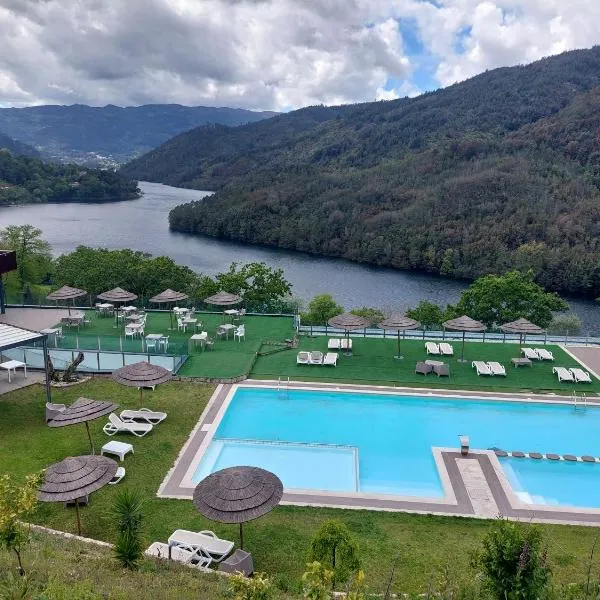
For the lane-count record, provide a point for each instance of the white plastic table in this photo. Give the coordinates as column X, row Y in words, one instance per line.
column 227, row 327
column 200, row 337
column 118, row 448
column 13, row 365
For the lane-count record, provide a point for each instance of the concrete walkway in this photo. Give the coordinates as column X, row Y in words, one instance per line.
column 588, row 356
column 18, row 381
column 33, row 319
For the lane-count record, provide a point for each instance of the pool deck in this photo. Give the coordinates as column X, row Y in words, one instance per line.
column 474, row 484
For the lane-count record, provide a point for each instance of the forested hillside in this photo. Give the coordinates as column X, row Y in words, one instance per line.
column 19, row 148
column 498, row 172
column 27, row 180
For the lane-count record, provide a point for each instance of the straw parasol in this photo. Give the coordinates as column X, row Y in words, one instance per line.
column 82, row 411
column 65, row 293
column 74, row 477
column 522, row 327
column 399, row 323
column 348, row 322
column 141, row 375
column 117, row 296
column 223, row 299
column 463, row 324
column 167, row 297
column 238, row 495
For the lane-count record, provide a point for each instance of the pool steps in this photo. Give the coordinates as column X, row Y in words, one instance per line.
column 550, row 456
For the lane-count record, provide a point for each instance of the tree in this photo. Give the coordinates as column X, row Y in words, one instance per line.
column 17, row 502
column 33, row 253
column 128, row 514
column 430, row 315
column 497, row 299
column 566, row 324
column 320, row 309
column 513, row 562
column 335, row 549
column 373, row 315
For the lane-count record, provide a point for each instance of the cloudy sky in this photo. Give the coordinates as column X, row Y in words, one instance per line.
column 270, row 54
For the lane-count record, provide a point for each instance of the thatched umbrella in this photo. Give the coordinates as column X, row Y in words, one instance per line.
column 141, row 375
column 463, row 324
column 522, row 327
column 399, row 323
column 348, row 322
column 238, row 495
column 74, row 477
column 117, row 296
column 167, row 297
column 223, row 299
column 66, row 293
column 82, row 411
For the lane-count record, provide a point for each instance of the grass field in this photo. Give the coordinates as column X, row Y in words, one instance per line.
column 373, row 361
column 279, row 541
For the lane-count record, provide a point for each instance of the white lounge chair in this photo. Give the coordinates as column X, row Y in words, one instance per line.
column 496, row 368
column 182, row 554
column 331, row 359
column 346, row 344
column 481, row 367
column 207, row 541
column 303, row 358
column 116, row 425
column 316, row 357
column 432, row 348
column 118, row 476
column 143, row 414
column 334, row 344
column 544, row 354
column 446, row 349
column 580, row 375
column 530, row 353
column 563, row 374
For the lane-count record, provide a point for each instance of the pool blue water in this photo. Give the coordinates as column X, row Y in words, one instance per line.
column 395, row 434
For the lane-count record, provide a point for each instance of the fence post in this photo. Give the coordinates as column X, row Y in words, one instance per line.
column 77, row 341
column 121, row 343
column 423, row 335
column 483, row 337
column 98, row 359
column 99, row 343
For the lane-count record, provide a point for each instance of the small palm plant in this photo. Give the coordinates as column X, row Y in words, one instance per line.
column 128, row 515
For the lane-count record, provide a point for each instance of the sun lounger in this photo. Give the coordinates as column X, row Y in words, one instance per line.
column 446, row 349
column 432, row 348
column 212, row 545
column 303, row 358
column 423, row 368
column 331, row 359
column 316, row 357
column 442, row 370
column 334, row 344
column 143, row 414
column 530, row 353
column 563, row 374
column 496, row 368
column 481, row 367
column 118, row 476
column 544, row 354
column 116, row 425
column 181, row 554
column 346, row 344
column 580, row 375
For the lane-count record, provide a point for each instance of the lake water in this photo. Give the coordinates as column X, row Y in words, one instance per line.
column 143, row 225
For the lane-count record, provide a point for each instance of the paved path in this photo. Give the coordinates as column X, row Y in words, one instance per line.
column 18, row 381
column 33, row 318
column 588, row 356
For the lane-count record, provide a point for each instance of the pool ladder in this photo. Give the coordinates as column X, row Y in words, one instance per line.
column 579, row 400
column 283, row 388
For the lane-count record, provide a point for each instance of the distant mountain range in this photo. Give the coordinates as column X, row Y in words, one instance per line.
column 15, row 147
column 110, row 134
column 501, row 171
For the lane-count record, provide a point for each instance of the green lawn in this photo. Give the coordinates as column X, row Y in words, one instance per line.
column 373, row 362
column 279, row 541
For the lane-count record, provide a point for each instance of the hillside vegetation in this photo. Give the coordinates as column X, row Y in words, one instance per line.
column 501, row 171
column 19, row 148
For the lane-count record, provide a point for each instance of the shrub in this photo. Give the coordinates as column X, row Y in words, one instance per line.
column 256, row 588
column 320, row 309
column 128, row 515
column 316, row 582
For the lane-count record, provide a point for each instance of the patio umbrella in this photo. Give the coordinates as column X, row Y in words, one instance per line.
column 74, row 477
column 399, row 323
column 223, row 299
column 238, row 495
column 522, row 327
column 141, row 375
column 82, row 411
column 463, row 324
column 66, row 293
column 117, row 296
column 348, row 322
column 167, row 297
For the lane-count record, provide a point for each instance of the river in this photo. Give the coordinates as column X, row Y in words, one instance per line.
column 143, row 225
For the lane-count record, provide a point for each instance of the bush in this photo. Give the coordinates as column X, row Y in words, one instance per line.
column 128, row 515
column 320, row 309
column 566, row 324
column 256, row 588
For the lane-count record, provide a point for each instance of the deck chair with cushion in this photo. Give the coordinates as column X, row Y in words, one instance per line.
column 303, row 358
column 116, row 425
column 530, row 353
column 580, row 375
column 423, row 368
column 316, row 357
column 432, row 348
column 346, row 344
column 334, row 344
column 442, row 370
column 331, row 359
column 496, row 368
column 181, row 554
column 207, row 541
column 544, row 354
column 446, row 349
column 563, row 374
column 143, row 414
column 118, row 476
column 481, row 367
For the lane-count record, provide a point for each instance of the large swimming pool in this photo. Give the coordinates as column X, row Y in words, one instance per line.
column 382, row 443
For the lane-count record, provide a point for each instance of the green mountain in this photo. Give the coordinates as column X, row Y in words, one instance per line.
column 497, row 172
column 15, row 147
column 110, row 134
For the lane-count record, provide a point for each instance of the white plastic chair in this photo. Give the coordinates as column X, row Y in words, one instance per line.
column 181, row 326
column 240, row 333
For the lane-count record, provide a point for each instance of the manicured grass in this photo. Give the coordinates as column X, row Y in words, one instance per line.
column 228, row 358
column 373, row 361
column 279, row 541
